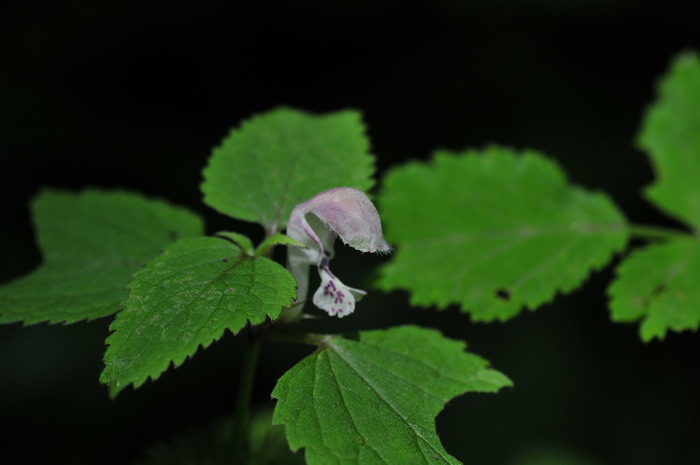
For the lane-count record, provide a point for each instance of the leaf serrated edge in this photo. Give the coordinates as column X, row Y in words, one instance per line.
column 491, row 151
column 367, row 178
column 324, row 343
column 115, row 388
column 42, row 194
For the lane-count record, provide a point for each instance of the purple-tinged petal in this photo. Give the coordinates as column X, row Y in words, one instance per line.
column 345, row 212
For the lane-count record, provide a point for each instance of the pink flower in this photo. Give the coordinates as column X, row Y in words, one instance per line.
column 344, row 212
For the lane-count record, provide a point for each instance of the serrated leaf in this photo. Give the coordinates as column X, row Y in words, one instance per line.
column 279, row 159
column 659, row 285
column 92, row 242
column 374, row 400
column 493, row 231
column 187, row 297
column 671, row 137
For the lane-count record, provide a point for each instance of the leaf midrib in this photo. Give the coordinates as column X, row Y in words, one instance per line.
column 183, row 309
column 338, row 351
column 520, row 232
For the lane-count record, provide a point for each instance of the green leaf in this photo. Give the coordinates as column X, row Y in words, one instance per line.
column 671, row 136
column 239, row 239
column 92, row 242
column 659, row 285
column 279, row 159
column 187, row 297
column 493, row 231
column 374, row 400
column 277, row 239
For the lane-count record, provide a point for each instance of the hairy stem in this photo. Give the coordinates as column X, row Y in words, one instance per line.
column 655, row 232
column 241, row 421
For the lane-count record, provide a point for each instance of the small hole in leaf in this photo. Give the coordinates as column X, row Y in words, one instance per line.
column 503, row 294
column 224, row 260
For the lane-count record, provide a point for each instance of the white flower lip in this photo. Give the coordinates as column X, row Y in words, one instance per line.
column 344, row 212
column 333, row 296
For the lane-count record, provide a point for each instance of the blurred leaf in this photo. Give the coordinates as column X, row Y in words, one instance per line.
column 660, row 286
column 550, row 455
column 214, row 446
column 207, row 446
column 374, row 400
column 92, row 243
column 268, row 445
column 493, row 231
column 187, row 297
column 671, row 136
column 281, row 158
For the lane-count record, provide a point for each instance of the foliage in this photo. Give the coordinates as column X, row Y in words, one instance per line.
column 92, row 242
column 277, row 160
column 507, row 231
column 276, row 239
column 671, row 137
column 504, row 229
column 659, row 284
column 241, row 241
column 492, row 231
column 187, row 297
column 354, row 401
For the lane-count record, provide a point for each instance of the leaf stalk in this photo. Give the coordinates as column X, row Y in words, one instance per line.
column 644, row 231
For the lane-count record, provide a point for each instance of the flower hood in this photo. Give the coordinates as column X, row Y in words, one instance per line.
column 344, row 212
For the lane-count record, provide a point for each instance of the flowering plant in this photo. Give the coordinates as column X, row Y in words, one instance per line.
column 488, row 231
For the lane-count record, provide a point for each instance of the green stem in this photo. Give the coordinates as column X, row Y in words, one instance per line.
column 655, row 232
column 241, row 420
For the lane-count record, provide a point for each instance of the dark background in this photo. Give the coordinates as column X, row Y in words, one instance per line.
column 135, row 94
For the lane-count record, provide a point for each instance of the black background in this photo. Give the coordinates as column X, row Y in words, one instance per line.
column 135, row 94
